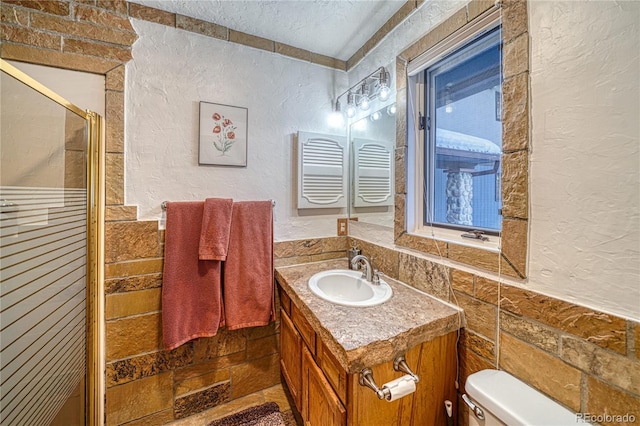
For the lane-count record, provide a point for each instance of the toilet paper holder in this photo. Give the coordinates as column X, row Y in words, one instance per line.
column 399, row 364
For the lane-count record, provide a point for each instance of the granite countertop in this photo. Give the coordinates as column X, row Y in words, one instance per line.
column 363, row 337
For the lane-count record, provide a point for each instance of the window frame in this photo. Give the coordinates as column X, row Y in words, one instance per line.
column 415, row 181
column 479, row 41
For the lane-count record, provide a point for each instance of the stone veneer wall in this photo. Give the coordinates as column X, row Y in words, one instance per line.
column 148, row 385
column 587, row 360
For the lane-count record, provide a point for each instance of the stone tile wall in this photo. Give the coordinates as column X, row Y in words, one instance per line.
column 312, row 250
column 148, row 385
column 587, row 360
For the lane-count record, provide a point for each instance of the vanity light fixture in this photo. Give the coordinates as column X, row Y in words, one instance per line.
column 375, row 85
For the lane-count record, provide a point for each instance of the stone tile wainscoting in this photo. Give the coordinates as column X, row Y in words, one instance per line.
column 587, row 360
column 582, row 358
column 148, row 385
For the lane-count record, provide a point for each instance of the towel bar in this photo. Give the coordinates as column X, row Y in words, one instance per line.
column 164, row 205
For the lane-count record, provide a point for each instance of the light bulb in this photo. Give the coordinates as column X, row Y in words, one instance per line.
column 384, row 93
column 376, row 116
column 391, row 109
column 365, row 103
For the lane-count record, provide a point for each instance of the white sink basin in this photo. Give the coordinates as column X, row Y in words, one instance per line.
column 348, row 288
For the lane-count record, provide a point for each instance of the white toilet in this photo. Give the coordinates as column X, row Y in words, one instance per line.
column 501, row 399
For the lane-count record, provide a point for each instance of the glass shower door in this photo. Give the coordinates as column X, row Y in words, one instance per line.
column 45, row 270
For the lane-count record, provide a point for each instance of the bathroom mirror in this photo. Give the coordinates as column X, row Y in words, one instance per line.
column 372, row 141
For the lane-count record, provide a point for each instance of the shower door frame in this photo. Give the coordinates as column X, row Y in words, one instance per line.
column 95, row 348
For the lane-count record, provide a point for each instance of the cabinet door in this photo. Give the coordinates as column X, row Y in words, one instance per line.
column 304, row 328
column 333, row 371
column 291, row 357
column 320, row 405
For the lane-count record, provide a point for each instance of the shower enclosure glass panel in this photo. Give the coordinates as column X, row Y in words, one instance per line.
column 43, row 258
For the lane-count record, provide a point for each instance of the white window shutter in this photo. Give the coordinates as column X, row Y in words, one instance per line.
column 322, row 171
column 373, row 177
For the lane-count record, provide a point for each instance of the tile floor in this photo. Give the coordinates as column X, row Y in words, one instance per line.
column 277, row 394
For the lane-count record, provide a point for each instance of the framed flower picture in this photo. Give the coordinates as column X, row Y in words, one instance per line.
column 223, row 135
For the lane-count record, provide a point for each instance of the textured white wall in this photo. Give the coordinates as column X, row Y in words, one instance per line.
column 585, row 162
column 171, row 71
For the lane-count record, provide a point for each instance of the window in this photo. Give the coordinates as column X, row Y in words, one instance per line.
column 463, row 136
column 443, row 42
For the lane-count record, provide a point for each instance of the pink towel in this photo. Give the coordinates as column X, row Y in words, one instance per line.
column 191, row 294
column 248, row 271
column 216, row 223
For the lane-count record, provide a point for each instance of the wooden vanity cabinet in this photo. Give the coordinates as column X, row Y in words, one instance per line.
column 325, row 395
column 312, row 393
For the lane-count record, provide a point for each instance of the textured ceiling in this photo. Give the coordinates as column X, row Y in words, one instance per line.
column 336, row 28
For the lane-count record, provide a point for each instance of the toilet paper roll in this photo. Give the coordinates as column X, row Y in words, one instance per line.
column 400, row 387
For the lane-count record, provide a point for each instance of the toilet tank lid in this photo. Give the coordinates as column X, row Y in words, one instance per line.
column 514, row 402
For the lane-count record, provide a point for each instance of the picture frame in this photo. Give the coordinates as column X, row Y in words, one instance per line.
column 222, row 135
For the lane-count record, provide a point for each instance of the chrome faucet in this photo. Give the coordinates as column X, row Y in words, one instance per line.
column 368, row 272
